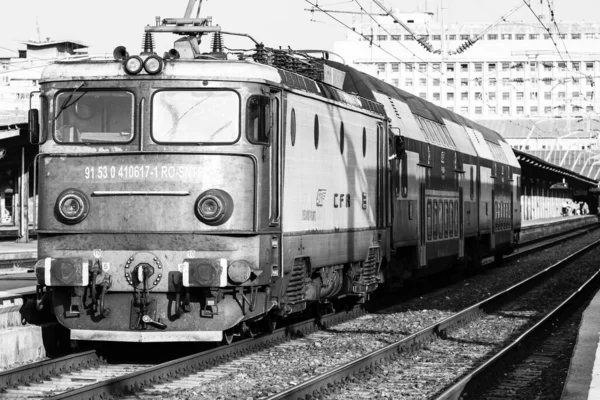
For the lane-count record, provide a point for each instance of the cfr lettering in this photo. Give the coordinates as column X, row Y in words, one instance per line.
column 341, row 200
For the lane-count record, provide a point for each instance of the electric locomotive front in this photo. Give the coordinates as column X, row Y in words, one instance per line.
column 159, row 197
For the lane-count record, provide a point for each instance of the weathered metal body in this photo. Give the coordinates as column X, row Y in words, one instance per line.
column 184, row 204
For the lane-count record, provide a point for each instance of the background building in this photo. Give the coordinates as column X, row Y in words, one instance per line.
column 537, row 85
column 20, row 70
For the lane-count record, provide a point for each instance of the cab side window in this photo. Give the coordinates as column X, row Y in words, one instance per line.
column 258, row 124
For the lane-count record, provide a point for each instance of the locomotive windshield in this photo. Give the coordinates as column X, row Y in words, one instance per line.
column 94, row 117
column 195, row 116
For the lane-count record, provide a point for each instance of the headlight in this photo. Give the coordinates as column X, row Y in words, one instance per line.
column 214, row 207
column 133, row 65
column 239, row 271
column 153, row 64
column 72, row 206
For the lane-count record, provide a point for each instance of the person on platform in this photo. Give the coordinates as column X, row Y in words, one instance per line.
column 565, row 208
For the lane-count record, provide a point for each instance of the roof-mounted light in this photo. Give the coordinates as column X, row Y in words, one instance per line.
column 153, row 64
column 133, row 65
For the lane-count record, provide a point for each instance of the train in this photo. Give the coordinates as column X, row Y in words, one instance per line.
column 192, row 196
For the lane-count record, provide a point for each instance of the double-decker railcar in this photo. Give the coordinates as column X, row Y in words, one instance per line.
column 185, row 197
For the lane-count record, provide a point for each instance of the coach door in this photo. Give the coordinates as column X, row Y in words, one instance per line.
column 461, row 216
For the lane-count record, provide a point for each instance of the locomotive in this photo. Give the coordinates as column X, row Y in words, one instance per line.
column 187, row 196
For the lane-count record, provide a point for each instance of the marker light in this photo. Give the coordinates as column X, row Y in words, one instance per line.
column 214, row 207
column 204, row 272
column 63, row 272
column 133, row 65
column 72, row 206
column 153, row 64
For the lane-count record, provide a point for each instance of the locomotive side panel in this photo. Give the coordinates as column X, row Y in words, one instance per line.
column 330, row 185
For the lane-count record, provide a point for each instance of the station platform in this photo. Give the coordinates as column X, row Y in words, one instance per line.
column 583, row 380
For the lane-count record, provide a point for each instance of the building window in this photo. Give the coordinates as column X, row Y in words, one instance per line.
column 423, row 95
column 450, row 67
column 589, row 95
column 436, row 96
column 422, row 67
column 548, row 66
column 533, row 110
column 561, row 95
column 532, row 66
column 380, row 67
column 451, row 37
column 506, row 36
column 576, row 65
column 562, row 66
column 464, row 82
column 436, row 82
column 547, row 95
column 381, row 38
column 479, row 110
column 492, row 95
column 590, row 36
column 435, row 67
column 505, row 95
column 492, row 109
column 408, row 67
column 437, row 37
column 450, row 108
column 547, row 81
column 478, row 96
column 575, row 94
column 464, row 110
column 534, row 36
column 519, row 95
column 562, row 36
column 423, row 82
column 369, row 38
column 547, row 36
column 464, row 37
column 395, row 82
column 408, row 37
column 396, row 37
column 520, row 36
column 491, row 66
column 505, row 110
column 492, row 82
column 450, row 81
column 395, row 67
column 505, row 81
column 464, row 67
column 589, row 66
column 492, row 36
column 478, row 67
column 533, row 95
column 464, row 96
column 450, row 95
column 547, row 110
column 505, row 66
column 589, row 108
column 519, row 110
column 408, row 82
column 576, row 36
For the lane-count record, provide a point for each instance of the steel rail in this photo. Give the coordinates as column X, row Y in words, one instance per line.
column 47, row 368
column 187, row 365
column 415, row 341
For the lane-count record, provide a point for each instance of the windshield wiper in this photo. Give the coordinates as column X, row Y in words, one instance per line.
column 66, row 103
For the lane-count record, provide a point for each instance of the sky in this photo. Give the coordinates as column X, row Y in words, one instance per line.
column 105, row 24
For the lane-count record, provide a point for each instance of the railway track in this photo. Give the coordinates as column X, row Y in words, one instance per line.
column 453, row 357
column 75, row 380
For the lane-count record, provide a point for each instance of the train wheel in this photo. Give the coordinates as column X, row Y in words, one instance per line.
column 228, row 336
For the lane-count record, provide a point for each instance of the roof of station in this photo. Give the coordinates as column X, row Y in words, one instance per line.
column 528, row 159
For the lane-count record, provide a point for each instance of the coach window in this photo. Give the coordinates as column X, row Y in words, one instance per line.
column 451, row 220
column 364, row 142
column 404, row 176
column 342, row 138
column 293, row 127
column 447, row 219
column 258, row 126
column 455, row 218
column 429, row 220
column 436, row 221
column 316, row 131
column 471, row 184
